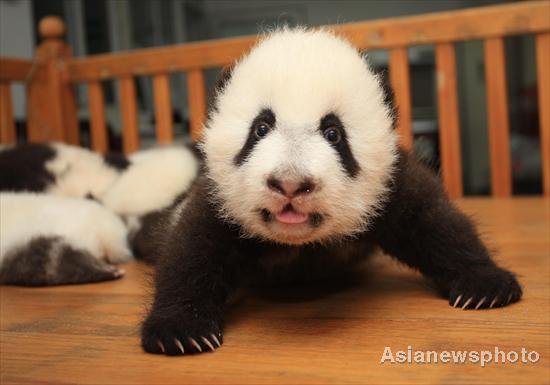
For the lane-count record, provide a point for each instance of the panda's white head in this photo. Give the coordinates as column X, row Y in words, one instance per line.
column 299, row 143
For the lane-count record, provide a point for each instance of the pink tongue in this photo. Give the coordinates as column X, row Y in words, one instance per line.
column 291, row 216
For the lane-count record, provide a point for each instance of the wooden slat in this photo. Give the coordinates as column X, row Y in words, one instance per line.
column 197, row 102
column 400, row 81
column 12, row 69
column 473, row 23
column 163, row 109
column 7, row 123
column 98, row 127
column 543, row 80
column 497, row 115
column 449, row 130
column 70, row 113
column 128, row 110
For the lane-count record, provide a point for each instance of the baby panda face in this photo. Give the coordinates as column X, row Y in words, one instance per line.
column 300, row 144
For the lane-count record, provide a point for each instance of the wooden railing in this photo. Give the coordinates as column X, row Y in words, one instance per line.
column 52, row 115
column 10, row 70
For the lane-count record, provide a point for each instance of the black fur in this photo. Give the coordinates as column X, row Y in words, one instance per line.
column 422, row 228
column 204, row 259
column 224, row 78
column 46, row 261
column 197, row 153
column 342, row 147
column 149, row 238
column 221, row 82
column 266, row 115
column 191, row 305
column 91, row 197
column 389, row 100
column 117, row 161
column 145, row 241
column 23, row 167
column 197, row 272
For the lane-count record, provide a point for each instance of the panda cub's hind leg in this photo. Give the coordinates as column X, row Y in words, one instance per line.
column 48, row 260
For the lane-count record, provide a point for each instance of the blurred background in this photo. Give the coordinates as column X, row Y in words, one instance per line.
column 100, row 26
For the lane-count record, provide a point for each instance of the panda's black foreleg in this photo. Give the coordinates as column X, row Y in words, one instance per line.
column 422, row 228
column 195, row 273
column 187, row 313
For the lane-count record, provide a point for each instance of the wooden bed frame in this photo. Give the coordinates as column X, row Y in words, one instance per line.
column 51, row 105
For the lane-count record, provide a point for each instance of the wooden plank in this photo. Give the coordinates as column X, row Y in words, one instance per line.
column 98, row 127
column 183, row 57
column 497, row 115
column 129, row 111
column 468, row 24
column 12, row 69
column 7, row 122
column 543, row 81
column 400, row 82
column 197, row 102
column 163, row 109
column 449, row 130
column 89, row 334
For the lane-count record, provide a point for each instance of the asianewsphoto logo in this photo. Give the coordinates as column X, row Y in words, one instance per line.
column 481, row 357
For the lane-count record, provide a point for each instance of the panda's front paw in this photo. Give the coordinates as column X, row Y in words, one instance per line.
column 178, row 333
column 485, row 287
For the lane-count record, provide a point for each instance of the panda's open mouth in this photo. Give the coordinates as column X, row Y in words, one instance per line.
column 290, row 216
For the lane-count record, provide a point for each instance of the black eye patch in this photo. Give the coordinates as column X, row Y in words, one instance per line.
column 331, row 121
column 265, row 116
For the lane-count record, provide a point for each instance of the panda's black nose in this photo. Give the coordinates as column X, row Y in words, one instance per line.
column 289, row 187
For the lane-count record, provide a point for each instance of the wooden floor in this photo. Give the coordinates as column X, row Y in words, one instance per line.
column 88, row 334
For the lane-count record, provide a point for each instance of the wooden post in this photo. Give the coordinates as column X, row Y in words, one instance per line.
column 497, row 114
column 400, row 81
column 51, row 105
column 197, row 102
column 129, row 114
column 163, row 109
column 98, row 127
column 543, row 82
column 7, row 123
column 449, row 128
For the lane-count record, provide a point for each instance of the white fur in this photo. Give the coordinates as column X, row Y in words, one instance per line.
column 176, row 214
column 84, row 224
column 301, row 75
column 154, row 178
column 152, row 182
column 79, row 171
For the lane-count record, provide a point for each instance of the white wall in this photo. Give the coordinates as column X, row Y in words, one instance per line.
column 17, row 40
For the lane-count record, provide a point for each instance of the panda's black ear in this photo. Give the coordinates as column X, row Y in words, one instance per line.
column 224, row 77
column 221, row 83
column 389, row 101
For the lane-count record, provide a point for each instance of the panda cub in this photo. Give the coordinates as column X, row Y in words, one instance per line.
column 304, row 179
column 48, row 239
column 51, row 235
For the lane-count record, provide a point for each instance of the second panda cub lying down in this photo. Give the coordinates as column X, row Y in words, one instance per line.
column 303, row 179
